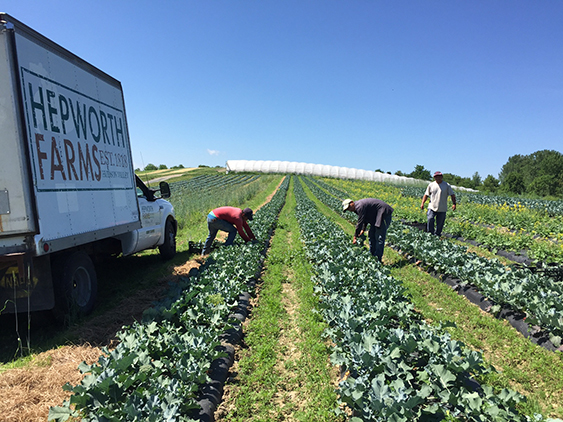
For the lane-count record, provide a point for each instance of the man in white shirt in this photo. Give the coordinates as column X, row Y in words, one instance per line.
column 438, row 192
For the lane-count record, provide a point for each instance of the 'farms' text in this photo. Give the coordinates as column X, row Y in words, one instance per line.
column 80, row 162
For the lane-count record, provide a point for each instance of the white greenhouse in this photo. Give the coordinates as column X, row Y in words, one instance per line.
column 292, row 167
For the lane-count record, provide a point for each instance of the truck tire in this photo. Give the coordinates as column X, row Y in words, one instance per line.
column 76, row 284
column 168, row 248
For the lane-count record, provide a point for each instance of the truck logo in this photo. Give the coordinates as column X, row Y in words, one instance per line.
column 74, row 137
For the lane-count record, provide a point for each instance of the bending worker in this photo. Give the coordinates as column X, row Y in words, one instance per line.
column 377, row 214
column 230, row 220
column 438, row 192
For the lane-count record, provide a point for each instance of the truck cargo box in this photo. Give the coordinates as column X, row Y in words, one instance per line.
column 68, row 190
column 66, row 153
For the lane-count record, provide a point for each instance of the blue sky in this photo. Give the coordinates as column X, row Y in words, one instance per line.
column 456, row 86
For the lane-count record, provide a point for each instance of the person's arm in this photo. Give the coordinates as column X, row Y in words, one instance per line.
column 360, row 227
column 248, row 230
column 424, row 198
column 454, row 202
column 239, row 225
column 355, row 239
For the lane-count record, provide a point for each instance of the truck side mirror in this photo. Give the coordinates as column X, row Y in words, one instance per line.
column 164, row 190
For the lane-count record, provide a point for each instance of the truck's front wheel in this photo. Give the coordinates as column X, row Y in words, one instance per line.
column 76, row 284
column 168, row 248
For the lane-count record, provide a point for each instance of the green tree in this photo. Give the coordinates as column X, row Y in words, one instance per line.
column 545, row 185
column 549, row 163
column 544, row 165
column 420, row 173
column 514, row 183
column 150, row 167
column 466, row 182
column 162, row 167
column 476, row 180
column 514, row 165
column 453, row 179
column 490, row 184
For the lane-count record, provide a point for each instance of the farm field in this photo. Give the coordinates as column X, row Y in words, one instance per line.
column 331, row 334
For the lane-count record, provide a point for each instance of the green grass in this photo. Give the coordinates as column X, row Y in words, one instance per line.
column 284, row 372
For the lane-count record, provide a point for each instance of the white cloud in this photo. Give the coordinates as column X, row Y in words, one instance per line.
column 213, row 152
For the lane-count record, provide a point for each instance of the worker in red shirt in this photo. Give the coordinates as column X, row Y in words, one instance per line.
column 230, row 220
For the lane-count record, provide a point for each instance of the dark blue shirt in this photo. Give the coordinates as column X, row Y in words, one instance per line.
column 370, row 211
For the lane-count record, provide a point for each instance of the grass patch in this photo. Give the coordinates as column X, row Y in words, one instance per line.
column 285, row 373
column 179, row 174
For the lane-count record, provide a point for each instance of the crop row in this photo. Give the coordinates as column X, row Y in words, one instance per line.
column 194, row 203
column 540, row 251
column 160, row 364
column 395, row 366
column 516, row 216
column 332, row 201
column 541, row 218
column 551, row 207
column 498, row 228
column 209, row 182
column 539, row 296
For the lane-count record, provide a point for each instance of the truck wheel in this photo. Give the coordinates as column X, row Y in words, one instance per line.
column 76, row 284
column 168, row 248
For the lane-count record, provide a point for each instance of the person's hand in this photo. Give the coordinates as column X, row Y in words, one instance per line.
column 421, row 206
column 354, row 240
column 453, row 207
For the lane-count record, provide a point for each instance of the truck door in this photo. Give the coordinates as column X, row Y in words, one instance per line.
column 151, row 218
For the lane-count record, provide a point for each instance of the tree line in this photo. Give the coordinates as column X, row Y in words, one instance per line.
column 538, row 174
column 152, row 167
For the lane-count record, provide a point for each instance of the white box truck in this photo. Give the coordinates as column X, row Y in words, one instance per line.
column 68, row 190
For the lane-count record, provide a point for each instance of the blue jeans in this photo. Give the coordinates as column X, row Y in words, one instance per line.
column 439, row 217
column 215, row 224
column 377, row 237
